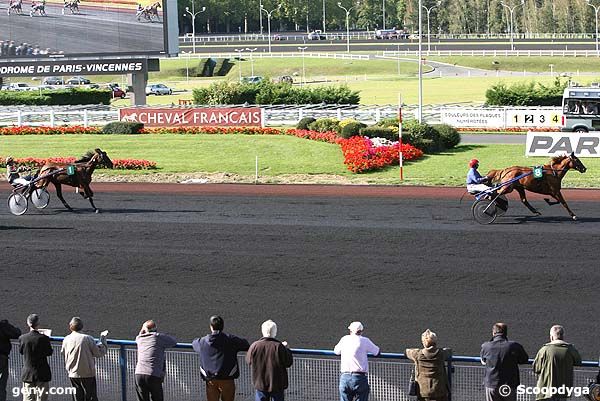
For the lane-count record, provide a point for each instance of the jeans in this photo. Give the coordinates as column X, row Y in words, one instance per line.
column 3, row 376
column 220, row 390
column 37, row 391
column 148, row 387
column 266, row 396
column 354, row 387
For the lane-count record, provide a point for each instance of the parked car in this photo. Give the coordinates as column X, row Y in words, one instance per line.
column 286, row 78
column 158, row 89
column 255, row 79
column 20, row 86
column 118, row 92
column 78, row 81
column 52, row 81
column 316, row 35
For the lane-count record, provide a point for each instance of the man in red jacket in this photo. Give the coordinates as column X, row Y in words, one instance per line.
column 269, row 359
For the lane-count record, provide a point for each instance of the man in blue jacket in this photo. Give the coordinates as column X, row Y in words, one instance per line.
column 501, row 359
column 218, row 360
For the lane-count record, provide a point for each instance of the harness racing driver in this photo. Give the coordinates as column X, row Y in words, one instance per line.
column 475, row 182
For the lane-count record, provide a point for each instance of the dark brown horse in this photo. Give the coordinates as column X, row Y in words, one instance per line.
column 549, row 184
column 82, row 170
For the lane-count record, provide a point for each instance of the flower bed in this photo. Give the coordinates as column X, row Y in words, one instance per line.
column 119, row 164
column 360, row 153
column 510, row 129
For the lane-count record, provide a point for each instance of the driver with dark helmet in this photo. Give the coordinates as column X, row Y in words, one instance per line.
column 12, row 173
column 475, row 182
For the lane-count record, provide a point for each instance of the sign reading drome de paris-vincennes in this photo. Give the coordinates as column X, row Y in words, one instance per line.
column 194, row 117
column 59, row 67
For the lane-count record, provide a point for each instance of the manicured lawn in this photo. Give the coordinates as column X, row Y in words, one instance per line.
column 279, row 155
column 532, row 64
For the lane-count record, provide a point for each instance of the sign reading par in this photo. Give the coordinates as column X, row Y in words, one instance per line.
column 194, row 117
column 584, row 144
column 49, row 67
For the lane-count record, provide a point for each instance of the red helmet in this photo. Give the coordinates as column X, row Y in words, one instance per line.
column 473, row 163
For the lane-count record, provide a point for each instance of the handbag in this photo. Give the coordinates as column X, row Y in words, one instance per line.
column 413, row 385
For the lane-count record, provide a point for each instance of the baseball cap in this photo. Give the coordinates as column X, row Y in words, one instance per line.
column 355, row 327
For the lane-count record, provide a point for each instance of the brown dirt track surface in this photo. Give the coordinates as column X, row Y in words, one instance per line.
column 312, row 258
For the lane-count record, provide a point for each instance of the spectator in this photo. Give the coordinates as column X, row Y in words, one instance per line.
column 218, row 360
column 354, row 365
column 501, row 359
column 430, row 371
column 7, row 332
column 35, row 348
column 151, row 362
column 79, row 350
column 554, row 363
column 269, row 359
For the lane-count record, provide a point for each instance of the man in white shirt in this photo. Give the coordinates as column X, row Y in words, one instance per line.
column 79, row 350
column 354, row 366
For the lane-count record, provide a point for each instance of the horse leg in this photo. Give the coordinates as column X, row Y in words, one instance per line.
column 564, row 203
column 521, row 192
column 89, row 194
column 552, row 203
column 59, row 195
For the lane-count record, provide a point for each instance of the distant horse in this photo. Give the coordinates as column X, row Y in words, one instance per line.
column 72, row 5
column 15, row 6
column 549, row 184
column 58, row 174
column 39, row 8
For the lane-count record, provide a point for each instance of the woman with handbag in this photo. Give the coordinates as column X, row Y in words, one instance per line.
column 430, row 369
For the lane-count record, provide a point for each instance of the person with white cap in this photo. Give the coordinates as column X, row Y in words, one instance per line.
column 354, row 365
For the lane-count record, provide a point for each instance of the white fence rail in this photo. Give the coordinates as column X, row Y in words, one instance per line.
column 341, row 56
column 495, row 53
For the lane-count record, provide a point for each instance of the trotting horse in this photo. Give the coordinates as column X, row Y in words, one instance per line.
column 72, row 5
column 152, row 11
column 58, row 174
column 16, row 6
column 549, row 184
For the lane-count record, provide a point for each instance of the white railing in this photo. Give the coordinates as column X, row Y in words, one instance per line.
column 342, row 56
column 495, row 53
column 52, row 118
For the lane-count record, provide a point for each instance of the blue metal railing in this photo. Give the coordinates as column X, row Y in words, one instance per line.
column 125, row 370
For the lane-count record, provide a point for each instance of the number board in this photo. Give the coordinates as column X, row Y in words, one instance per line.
column 533, row 118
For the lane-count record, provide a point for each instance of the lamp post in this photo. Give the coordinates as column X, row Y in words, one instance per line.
column 551, row 69
column 239, row 52
column 260, row 7
column 596, row 9
column 347, row 24
column 383, row 14
column 428, row 9
column 269, row 13
column 323, row 16
column 302, row 49
column 193, row 15
column 512, row 10
column 420, row 61
column 251, row 59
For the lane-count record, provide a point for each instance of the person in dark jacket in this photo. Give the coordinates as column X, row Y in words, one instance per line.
column 501, row 359
column 35, row 348
column 218, row 360
column 269, row 359
column 7, row 332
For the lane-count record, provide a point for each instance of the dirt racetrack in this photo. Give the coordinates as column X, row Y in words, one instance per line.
column 312, row 258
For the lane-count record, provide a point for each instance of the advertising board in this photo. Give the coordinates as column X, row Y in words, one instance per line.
column 583, row 144
column 194, row 117
column 502, row 117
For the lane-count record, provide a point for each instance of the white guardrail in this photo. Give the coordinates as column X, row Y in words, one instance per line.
column 457, row 116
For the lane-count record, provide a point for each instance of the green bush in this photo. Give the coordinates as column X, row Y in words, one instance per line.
column 305, row 122
column 422, row 135
column 122, row 127
column 380, row 132
column 325, row 125
column 388, row 122
column 268, row 92
column 449, row 136
column 526, row 94
column 56, row 97
column 352, row 129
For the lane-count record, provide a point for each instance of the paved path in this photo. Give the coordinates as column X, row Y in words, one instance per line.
column 492, row 139
column 313, row 258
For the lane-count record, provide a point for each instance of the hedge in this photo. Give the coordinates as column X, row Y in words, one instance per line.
column 55, row 97
column 526, row 94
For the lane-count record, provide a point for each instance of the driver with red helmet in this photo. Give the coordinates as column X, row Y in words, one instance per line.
column 475, row 182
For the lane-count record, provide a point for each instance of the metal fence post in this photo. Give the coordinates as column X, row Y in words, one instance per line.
column 123, row 368
column 19, row 118
column 450, row 378
column 85, row 118
column 52, row 118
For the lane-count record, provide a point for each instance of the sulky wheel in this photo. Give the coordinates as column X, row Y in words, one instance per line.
column 40, row 198
column 484, row 211
column 17, row 204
